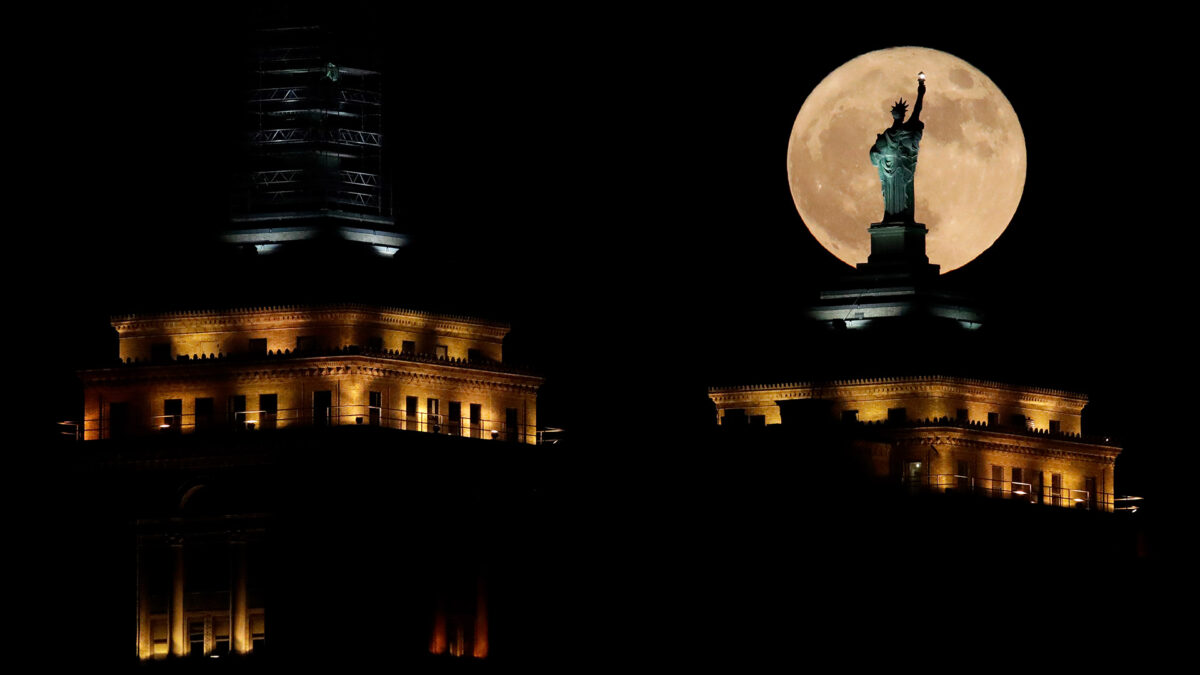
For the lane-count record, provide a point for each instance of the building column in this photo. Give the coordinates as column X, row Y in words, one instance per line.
column 176, row 624
column 480, row 643
column 239, row 620
column 145, row 643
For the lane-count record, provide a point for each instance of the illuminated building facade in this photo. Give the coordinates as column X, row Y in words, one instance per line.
column 948, row 433
column 310, row 366
column 196, row 391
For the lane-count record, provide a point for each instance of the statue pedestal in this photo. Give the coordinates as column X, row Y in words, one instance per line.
column 897, row 243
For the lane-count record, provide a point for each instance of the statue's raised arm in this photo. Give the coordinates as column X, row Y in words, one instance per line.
column 916, row 116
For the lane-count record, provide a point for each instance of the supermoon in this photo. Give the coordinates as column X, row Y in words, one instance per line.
column 970, row 169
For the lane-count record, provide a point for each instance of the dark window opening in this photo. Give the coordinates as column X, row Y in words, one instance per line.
column 849, row 416
column 204, row 413
column 160, row 352
column 322, row 408
column 432, row 418
column 1055, row 426
column 1017, row 421
column 512, row 431
column 306, row 343
column 258, row 346
column 962, row 478
column 375, row 407
column 993, row 419
column 897, row 415
column 196, row 638
column 268, row 406
column 408, row 347
column 410, row 413
column 476, row 420
column 961, row 415
column 118, row 420
column 375, row 343
column 454, row 418
column 172, row 419
column 237, row 411
column 475, row 356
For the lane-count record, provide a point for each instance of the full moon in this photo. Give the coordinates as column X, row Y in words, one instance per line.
column 970, row 169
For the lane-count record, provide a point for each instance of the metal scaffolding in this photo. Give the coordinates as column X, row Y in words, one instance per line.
column 314, row 134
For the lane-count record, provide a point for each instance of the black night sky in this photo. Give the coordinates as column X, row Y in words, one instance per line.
column 599, row 178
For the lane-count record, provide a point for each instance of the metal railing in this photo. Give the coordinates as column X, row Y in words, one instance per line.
column 316, row 416
column 1017, row 490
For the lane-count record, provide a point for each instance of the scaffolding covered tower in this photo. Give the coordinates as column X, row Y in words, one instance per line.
column 314, row 130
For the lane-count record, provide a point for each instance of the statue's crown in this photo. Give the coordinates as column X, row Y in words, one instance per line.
column 900, row 107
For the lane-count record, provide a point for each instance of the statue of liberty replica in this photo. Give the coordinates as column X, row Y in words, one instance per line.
column 895, row 155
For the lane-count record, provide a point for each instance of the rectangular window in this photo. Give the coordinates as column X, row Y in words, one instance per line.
column 993, row 419
column 454, row 418
column 221, row 635
column 433, row 419
column 914, row 473
column 442, row 351
column 512, row 430
column 849, row 416
column 204, row 413
column 258, row 346
column 375, row 407
column 322, row 408
column 897, row 415
column 160, row 352
column 1056, row 488
column 118, row 420
column 961, row 415
column 1055, row 426
column 268, row 406
column 1089, row 486
column 306, row 343
column 408, row 347
column 1018, row 421
column 375, row 343
column 997, row 480
column 1018, row 485
column 962, row 479
column 196, row 637
column 258, row 632
column 411, row 418
column 475, row 356
column 237, row 411
column 172, row 419
column 476, row 420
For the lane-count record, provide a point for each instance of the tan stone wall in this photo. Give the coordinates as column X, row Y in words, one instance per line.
column 921, row 398
column 349, row 389
column 232, row 342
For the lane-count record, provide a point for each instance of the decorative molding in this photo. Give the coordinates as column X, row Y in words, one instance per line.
column 128, row 325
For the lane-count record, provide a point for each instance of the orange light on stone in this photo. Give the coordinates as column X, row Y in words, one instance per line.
column 480, row 650
column 437, row 642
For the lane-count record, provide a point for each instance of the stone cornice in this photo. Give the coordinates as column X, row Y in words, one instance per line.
column 436, row 373
column 1060, row 448
column 285, row 316
column 885, row 387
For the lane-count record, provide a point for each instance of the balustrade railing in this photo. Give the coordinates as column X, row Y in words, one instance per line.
column 316, row 416
column 1016, row 490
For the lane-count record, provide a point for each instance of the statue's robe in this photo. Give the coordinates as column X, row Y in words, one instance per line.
column 895, row 154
